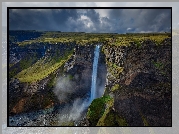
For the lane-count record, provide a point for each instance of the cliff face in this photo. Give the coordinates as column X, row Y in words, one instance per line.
column 124, row 63
column 76, row 72
column 29, row 96
column 80, row 68
column 139, row 81
column 135, row 81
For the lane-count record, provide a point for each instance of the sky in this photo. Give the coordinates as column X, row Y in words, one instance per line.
column 175, row 57
column 120, row 21
column 91, row 20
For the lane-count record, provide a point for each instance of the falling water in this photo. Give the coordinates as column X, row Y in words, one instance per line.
column 74, row 113
column 94, row 74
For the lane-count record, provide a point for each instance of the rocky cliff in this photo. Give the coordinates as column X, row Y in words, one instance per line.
column 139, row 84
column 133, row 81
column 36, row 94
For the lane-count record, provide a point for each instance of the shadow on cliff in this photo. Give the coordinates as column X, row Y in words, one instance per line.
column 73, row 89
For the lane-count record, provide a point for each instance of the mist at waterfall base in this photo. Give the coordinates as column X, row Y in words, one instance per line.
column 65, row 86
column 67, row 113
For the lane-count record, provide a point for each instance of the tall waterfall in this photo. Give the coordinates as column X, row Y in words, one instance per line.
column 94, row 73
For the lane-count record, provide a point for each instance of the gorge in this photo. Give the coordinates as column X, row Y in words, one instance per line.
column 80, row 79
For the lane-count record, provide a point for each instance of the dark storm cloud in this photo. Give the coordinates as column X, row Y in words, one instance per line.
column 93, row 15
column 142, row 19
column 154, row 20
column 117, row 20
column 49, row 19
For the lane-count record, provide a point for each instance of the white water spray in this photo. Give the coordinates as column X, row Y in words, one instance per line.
column 94, row 74
column 69, row 113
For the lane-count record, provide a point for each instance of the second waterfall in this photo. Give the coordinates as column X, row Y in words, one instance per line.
column 94, row 73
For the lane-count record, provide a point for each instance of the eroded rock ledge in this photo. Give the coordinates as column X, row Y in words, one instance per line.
column 139, row 81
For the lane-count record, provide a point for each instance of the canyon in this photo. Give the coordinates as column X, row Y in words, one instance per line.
column 51, row 80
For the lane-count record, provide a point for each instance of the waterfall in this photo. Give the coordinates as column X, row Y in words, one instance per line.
column 67, row 114
column 94, row 73
column 44, row 51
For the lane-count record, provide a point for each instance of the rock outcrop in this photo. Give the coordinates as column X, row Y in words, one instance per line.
column 139, row 80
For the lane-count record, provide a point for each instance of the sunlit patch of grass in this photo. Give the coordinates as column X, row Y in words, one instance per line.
column 92, row 38
column 41, row 69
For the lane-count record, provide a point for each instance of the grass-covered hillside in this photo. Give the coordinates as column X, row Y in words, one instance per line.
column 89, row 38
column 42, row 68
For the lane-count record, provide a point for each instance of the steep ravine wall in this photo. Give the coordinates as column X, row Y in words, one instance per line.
column 80, row 65
column 30, row 96
column 135, row 82
column 133, row 60
column 139, row 83
column 77, row 70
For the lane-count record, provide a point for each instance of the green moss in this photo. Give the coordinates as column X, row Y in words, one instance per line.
column 145, row 122
column 13, row 72
column 71, row 77
column 138, row 44
column 114, row 69
column 110, row 118
column 158, row 65
column 121, row 121
column 115, row 87
column 161, row 67
column 27, row 62
column 51, row 83
column 67, row 123
column 97, row 109
column 22, row 64
column 10, row 65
